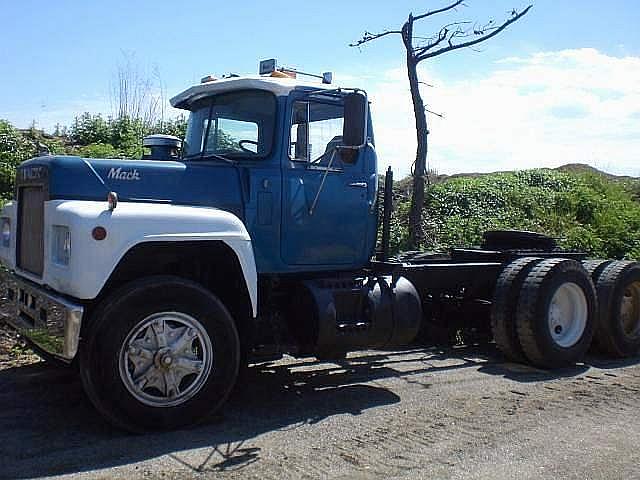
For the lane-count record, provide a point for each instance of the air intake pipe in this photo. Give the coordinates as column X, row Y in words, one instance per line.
column 161, row 147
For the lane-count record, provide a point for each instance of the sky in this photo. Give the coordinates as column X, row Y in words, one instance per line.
column 562, row 85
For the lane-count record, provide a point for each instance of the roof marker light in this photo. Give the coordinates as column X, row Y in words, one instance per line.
column 270, row 67
column 208, row 78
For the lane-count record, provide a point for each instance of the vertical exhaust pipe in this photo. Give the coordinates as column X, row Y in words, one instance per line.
column 386, row 215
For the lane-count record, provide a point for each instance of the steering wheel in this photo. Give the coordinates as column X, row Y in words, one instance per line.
column 245, row 149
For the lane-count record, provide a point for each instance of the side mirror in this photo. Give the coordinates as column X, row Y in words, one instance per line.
column 355, row 120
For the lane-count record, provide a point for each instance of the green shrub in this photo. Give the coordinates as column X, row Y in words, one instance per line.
column 584, row 211
column 98, row 150
column 14, row 148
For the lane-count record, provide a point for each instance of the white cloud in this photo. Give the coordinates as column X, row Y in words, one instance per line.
column 547, row 109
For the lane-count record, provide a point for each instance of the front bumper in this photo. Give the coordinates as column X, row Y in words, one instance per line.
column 49, row 321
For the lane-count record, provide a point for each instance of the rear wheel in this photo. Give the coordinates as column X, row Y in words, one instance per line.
column 503, row 308
column 595, row 267
column 618, row 326
column 161, row 353
column 556, row 313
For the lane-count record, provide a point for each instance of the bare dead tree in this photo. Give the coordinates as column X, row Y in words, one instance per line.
column 450, row 37
column 133, row 92
column 162, row 96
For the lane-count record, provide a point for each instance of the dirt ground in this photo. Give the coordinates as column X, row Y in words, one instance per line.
column 13, row 353
column 420, row 413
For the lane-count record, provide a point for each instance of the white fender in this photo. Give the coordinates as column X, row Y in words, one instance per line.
column 131, row 223
column 8, row 253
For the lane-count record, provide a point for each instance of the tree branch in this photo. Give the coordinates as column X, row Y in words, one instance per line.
column 452, row 46
column 368, row 36
column 440, row 10
column 442, row 36
column 434, row 113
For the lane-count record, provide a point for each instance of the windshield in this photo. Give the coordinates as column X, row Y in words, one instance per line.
column 237, row 124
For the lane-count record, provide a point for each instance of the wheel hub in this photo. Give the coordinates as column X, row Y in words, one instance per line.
column 163, row 358
column 567, row 315
column 166, row 359
column 630, row 310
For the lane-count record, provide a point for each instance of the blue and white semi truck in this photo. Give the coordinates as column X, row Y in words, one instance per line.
column 161, row 279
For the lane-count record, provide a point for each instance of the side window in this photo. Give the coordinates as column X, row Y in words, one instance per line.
column 316, row 129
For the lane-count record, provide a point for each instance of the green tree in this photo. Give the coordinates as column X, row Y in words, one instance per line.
column 14, row 148
column 176, row 127
column 88, row 128
column 126, row 136
column 98, row 150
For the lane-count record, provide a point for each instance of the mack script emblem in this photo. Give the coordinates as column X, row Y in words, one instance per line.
column 119, row 174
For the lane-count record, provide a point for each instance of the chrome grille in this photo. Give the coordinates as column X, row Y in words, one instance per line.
column 30, row 254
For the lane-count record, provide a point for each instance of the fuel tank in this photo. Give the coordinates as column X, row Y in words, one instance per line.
column 351, row 314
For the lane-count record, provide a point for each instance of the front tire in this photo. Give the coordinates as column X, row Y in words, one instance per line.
column 161, row 353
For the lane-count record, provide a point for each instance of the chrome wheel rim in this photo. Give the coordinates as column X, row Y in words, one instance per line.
column 630, row 310
column 166, row 359
column 567, row 315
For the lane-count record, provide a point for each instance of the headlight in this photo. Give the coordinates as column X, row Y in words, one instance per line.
column 6, row 232
column 61, row 245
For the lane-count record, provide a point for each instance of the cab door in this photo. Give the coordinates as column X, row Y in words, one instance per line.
column 327, row 193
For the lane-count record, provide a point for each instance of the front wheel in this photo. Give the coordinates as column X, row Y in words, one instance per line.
column 162, row 353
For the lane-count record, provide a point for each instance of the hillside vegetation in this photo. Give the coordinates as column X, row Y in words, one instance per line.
column 89, row 136
column 583, row 208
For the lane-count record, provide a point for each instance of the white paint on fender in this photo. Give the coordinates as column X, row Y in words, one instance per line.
column 130, row 224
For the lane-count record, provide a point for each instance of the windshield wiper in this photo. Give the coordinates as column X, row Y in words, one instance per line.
column 209, row 156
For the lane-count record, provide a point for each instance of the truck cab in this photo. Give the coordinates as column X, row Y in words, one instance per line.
column 282, row 146
column 161, row 278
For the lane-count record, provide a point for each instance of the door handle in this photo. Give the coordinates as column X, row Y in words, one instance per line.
column 359, row 184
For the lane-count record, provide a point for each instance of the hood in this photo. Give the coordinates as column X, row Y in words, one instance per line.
column 189, row 183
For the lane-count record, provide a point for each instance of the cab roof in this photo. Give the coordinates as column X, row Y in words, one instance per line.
column 277, row 86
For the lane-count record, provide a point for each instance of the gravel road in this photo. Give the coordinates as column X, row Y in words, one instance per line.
column 421, row 413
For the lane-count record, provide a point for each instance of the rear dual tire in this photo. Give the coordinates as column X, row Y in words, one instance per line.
column 504, row 306
column 595, row 267
column 556, row 313
column 618, row 325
